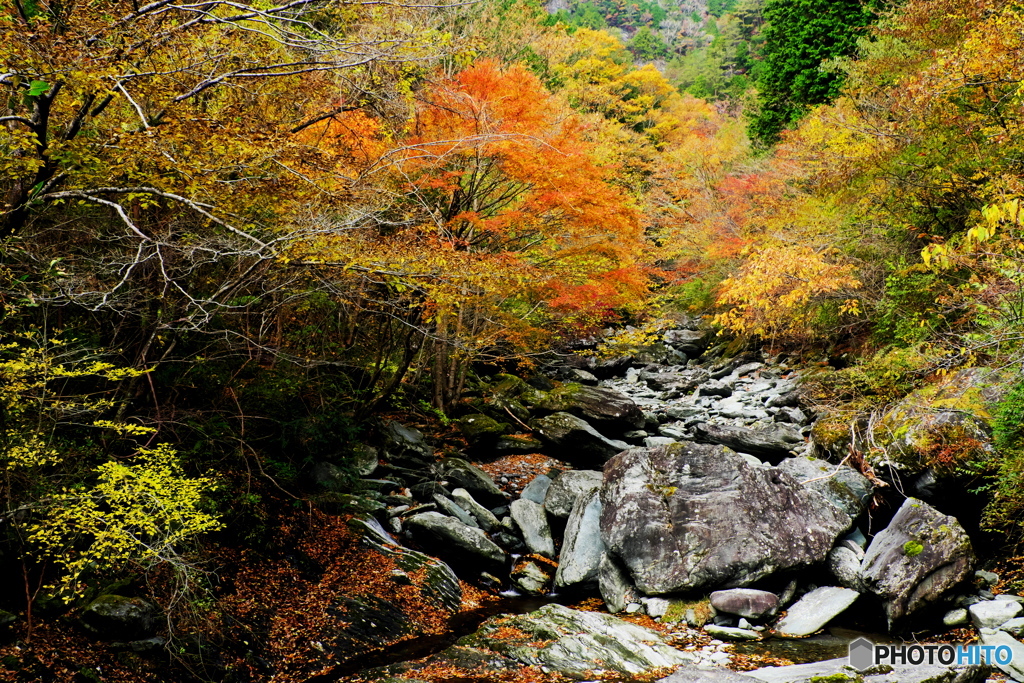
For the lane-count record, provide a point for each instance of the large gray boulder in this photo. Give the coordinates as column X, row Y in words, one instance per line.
column 582, row 547
column 687, row 516
column 568, row 487
column 916, row 559
column 537, row 489
column 577, row 644
column 576, row 440
column 533, row 526
column 606, row 409
column 843, row 486
column 459, row 473
column 814, row 610
column 771, row 444
column 467, row 549
column 484, row 517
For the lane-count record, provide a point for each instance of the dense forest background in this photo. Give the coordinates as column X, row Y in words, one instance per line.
column 235, row 234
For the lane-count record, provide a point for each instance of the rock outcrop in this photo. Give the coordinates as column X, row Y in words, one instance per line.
column 689, row 516
column 916, row 559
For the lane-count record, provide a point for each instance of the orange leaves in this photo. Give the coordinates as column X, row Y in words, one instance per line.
column 497, row 168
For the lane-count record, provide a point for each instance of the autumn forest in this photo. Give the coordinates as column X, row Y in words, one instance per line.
column 237, row 236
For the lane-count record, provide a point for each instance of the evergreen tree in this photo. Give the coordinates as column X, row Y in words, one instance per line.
column 647, row 45
column 800, row 36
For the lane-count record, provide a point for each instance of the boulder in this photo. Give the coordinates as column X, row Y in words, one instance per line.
column 462, row 474
column 814, row 610
column 772, row 444
column 484, row 517
column 576, row 440
column 582, row 547
column 993, row 613
column 406, row 446
column 745, row 602
column 937, row 428
column 116, row 617
column 583, row 377
column 731, row 633
column 612, row 367
column 482, row 430
column 789, row 399
column 567, row 487
column 437, row 583
column 715, row 388
column 537, row 489
column 448, row 507
column 735, row 408
column 364, row 459
column 1015, row 626
column 916, row 559
column 516, row 444
column 955, row 617
column 681, row 381
column 691, row 342
column 791, row 415
column 606, row 409
column 532, row 576
column 533, row 526
column 843, row 486
column 577, row 644
column 617, row 589
column 467, row 549
column 1015, row 668
column 844, row 564
column 687, row 516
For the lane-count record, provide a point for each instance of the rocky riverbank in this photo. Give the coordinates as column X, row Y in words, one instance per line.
column 684, row 490
column 695, row 498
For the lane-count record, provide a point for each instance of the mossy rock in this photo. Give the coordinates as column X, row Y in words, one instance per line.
column 941, row 426
column 517, row 444
column 831, row 434
column 510, row 387
column 482, row 428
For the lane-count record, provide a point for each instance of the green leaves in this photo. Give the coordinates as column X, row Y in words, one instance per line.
column 37, row 88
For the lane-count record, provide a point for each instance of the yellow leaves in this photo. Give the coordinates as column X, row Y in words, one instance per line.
column 777, row 290
column 991, row 238
column 138, row 512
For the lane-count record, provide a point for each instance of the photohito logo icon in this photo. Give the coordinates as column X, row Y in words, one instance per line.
column 862, row 654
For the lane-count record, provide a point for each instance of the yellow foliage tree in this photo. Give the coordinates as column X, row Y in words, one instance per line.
column 779, row 289
column 134, row 510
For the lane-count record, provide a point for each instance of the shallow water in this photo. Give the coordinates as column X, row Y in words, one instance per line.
column 829, row 645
